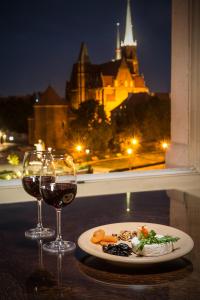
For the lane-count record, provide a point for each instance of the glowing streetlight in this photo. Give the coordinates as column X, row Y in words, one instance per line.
column 165, row 145
column 87, row 151
column 134, row 141
column 79, row 148
column 129, row 151
column 11, row 138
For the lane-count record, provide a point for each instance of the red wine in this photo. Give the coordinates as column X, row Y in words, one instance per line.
column 31, row 185
column 59, row 194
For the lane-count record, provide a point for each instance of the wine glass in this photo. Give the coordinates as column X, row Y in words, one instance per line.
column 32, row 164
column 58, row 192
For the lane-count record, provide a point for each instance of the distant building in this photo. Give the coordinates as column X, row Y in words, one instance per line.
column 110, row 82
column 50, row 120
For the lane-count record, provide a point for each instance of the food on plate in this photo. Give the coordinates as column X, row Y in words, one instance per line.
column 142, row 242
column 125, row 235
column 142, row 231
column 109, row 239
column 121, row 249
column 99, row 237
column 148, row 243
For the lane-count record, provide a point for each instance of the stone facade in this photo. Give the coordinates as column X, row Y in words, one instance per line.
column 110, row 82
column 50, row 121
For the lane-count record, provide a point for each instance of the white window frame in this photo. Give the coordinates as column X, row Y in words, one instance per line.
column 185, row 130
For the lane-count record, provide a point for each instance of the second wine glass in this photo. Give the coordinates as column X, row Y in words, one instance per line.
column 32, row 164
column 58, row 192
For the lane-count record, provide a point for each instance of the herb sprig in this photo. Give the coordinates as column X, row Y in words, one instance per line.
column 152, row 239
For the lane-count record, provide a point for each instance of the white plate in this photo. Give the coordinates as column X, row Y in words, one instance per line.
column 183, row 246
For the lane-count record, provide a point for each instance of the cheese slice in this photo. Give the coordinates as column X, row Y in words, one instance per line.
column 153, row 249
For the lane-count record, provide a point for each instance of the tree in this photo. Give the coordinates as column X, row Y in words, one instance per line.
column 148, row 116
column 15, row 111
column 90, row 127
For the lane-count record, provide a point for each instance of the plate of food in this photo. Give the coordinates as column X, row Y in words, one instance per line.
column 135, row 243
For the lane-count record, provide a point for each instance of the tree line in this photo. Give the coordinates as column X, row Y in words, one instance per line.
column 143, row 115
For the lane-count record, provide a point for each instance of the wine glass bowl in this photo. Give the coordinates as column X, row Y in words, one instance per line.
column 58, row 192
column 32, row 165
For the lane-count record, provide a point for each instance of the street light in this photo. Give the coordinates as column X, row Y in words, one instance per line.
column 87, row 151
column 79, row 148
column 134, row 141
column 129, row 151
column 11, row 138
column 164, row 145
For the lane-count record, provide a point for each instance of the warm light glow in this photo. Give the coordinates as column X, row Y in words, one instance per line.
column 165, row 145
column 134, row 141
column 87, row 151
column 129, row 151
column 79, row 148
column 11, row 138
column 18, row 173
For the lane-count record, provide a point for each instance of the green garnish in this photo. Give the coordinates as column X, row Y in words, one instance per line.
column 152, row 239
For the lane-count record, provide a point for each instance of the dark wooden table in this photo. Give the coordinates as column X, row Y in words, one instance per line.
column 28, row 273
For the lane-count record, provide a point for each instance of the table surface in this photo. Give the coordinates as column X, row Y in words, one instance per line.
column 27, row 272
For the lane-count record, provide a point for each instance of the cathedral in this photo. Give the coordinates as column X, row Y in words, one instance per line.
column 112, row 81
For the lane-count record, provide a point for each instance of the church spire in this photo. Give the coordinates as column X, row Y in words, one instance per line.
column 128, row 39
column 118, row 46
column 83, row 54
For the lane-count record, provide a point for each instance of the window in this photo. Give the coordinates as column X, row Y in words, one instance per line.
column 185, row 150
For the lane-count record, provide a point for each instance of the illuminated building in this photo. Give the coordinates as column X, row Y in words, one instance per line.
column 110, row 82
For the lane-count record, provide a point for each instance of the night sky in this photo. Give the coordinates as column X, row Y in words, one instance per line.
column 40, row 40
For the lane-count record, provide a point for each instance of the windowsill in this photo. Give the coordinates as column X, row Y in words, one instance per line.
column 87, row 178
column 184, row 179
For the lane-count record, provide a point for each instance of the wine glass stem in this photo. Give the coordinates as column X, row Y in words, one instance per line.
column 39, row 224
column 58, row 225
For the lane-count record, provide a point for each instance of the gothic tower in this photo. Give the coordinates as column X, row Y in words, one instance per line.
column 118, row 54
column 83, row 62
column 129, row 45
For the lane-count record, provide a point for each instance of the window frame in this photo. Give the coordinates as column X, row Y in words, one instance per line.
column 185, row 150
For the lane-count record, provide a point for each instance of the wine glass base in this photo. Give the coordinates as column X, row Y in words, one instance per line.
column 59, row 246
column 39, row 233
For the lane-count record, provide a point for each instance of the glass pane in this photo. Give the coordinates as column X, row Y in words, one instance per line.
column 107, row 101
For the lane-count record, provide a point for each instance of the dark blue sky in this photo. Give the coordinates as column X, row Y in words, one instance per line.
column 40, row 40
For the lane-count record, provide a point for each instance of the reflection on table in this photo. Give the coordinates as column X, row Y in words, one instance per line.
column 27, row 272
